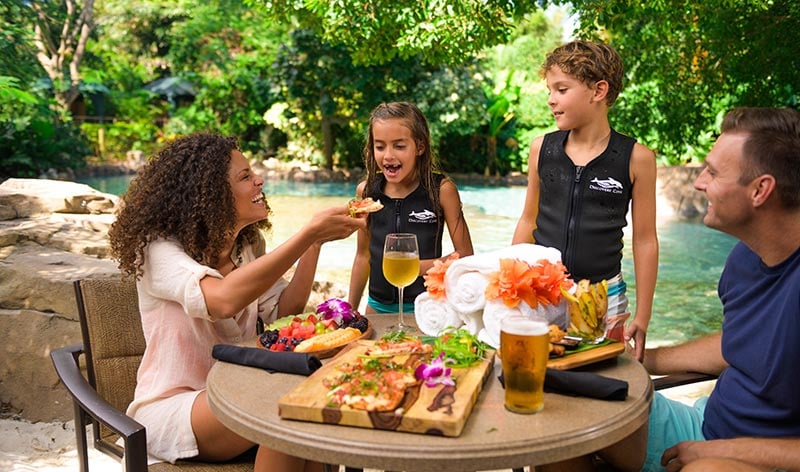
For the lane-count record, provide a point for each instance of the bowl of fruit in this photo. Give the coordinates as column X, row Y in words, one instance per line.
column 322, row 333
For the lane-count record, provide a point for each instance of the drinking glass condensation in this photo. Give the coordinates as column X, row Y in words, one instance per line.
column 401, row 267
column 524, row 350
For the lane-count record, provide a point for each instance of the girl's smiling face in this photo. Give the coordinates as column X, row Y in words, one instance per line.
column 395, row 150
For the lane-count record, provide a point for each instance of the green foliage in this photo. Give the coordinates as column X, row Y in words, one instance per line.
column 688, row 62
column 377, row 32
column 33, row 138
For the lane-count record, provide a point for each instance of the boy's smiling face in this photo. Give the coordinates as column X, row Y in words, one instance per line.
column 572, row 102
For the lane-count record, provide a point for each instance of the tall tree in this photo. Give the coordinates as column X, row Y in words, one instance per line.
column 61, row 32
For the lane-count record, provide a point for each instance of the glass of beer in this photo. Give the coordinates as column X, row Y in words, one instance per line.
column 524, row 350
column 401, row 268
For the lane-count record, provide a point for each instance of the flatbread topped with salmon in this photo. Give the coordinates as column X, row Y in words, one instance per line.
column 364, row 205
column 378, row 380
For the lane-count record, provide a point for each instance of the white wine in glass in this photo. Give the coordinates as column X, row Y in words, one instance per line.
column 401, row 268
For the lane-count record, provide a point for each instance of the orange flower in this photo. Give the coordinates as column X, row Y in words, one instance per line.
column 434, row 277
column 519, row 281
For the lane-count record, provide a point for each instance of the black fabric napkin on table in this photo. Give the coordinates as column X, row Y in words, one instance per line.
column 271, row 361
column 584, row 384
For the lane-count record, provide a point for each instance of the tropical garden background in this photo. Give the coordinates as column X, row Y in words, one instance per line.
column 86, row 81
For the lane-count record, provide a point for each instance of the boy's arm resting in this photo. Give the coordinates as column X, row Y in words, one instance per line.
column 523, row 233
column 644, row 241
column 775, row 453
column 702, row 355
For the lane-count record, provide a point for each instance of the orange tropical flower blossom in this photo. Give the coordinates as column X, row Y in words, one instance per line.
column 536, row 284
column 434, row 277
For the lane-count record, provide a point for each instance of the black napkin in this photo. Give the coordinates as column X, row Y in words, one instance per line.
column 584, row 384
column 271, row 361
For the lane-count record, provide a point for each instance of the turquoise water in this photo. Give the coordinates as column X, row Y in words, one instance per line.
column 691, row 255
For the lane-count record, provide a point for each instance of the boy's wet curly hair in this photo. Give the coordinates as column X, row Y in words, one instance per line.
column 588, row 62
column 182, row 193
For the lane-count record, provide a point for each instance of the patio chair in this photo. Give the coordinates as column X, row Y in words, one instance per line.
column 112, row 349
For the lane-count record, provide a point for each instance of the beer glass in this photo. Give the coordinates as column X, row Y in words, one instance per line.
column 524, row 350
column 401, row 268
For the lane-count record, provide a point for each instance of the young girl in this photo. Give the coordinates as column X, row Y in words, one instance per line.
column 188, row 231
column 416, row 199
column 582, row 178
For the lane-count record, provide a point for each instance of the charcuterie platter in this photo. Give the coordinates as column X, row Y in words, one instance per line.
column 440, row 409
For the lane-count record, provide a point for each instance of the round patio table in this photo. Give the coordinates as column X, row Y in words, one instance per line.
column 245, row 399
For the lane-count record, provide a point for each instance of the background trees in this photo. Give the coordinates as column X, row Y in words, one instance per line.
column 298, row 78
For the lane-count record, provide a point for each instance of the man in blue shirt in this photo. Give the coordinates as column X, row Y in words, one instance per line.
column 751, row 420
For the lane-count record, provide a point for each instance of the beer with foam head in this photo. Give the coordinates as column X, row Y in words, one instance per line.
column 524, row 350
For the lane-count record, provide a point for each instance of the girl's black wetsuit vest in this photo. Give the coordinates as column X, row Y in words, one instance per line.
column 413, row 214
column 583, row 209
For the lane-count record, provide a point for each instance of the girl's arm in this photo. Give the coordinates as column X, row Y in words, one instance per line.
column 359, row 274
column 294, row 297
column 456, row 224
column 645, row 243
column 228, row 296
column 523, row 233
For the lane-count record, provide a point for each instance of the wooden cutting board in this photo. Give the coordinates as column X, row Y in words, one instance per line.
column 589, row 356
column 440, row 410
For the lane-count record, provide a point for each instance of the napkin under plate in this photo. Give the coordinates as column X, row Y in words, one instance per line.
column 271, row 361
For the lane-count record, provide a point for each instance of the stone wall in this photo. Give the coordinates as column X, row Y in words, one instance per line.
column 54, row 232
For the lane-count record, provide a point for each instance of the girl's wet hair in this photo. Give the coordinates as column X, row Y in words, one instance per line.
column 416, row 122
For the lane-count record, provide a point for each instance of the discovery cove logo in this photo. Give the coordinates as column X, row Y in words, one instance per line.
column 424, row 216
column 609, row 185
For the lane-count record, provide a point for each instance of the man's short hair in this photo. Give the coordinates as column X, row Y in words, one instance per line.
column 589, row 62
column 772, row 147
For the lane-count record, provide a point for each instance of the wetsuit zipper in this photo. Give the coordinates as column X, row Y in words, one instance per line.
column 398, row 205
column 572, row 220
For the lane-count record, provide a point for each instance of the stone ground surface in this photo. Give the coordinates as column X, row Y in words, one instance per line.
column 50, row 447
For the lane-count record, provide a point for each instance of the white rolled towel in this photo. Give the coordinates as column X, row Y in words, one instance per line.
column 493, row 312
column 473, row 322
column 466, row 288
column 433, row 315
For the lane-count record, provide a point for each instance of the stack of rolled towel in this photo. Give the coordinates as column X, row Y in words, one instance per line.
column 465, row 304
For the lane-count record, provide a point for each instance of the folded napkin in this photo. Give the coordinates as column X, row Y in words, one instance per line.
column 584, row 384
column 271, row 361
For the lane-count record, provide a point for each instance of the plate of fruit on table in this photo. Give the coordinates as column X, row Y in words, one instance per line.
column 323, row 333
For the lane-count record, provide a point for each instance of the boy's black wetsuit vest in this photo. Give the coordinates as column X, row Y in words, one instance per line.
column 582, row 210
column 413, row 214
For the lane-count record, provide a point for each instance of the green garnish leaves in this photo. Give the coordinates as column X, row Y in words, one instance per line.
column 461, row 346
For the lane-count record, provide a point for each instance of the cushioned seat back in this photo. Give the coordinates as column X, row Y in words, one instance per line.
column 112, row 337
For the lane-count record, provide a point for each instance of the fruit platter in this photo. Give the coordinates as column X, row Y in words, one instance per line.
column 323, row 333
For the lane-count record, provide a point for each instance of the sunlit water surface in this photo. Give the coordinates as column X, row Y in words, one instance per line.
column 691, row 255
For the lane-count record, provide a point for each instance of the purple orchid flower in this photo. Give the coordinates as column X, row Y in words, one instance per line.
column 336, row 309
column 435, row 373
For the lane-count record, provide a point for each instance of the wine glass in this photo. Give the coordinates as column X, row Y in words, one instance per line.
column 401, row 268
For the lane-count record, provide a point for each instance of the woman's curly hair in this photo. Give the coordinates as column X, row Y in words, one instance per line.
column 181, row 193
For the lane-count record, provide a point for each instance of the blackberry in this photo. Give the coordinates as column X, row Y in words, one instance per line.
column 360, row 322
column 284, row 340
column 296, row 341
column 268, row 338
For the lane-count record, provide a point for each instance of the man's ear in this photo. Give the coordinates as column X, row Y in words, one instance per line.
column 600, row 90
column 763, row 187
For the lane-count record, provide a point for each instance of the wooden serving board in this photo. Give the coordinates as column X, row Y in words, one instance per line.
column 441, row 410
column 589, row 356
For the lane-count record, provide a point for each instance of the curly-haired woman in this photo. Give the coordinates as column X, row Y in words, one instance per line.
column 189, row 231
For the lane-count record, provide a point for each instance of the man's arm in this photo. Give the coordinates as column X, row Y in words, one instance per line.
column 700, row 355
column 772, row 453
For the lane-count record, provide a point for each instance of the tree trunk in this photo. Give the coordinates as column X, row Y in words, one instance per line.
column 328, row 140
